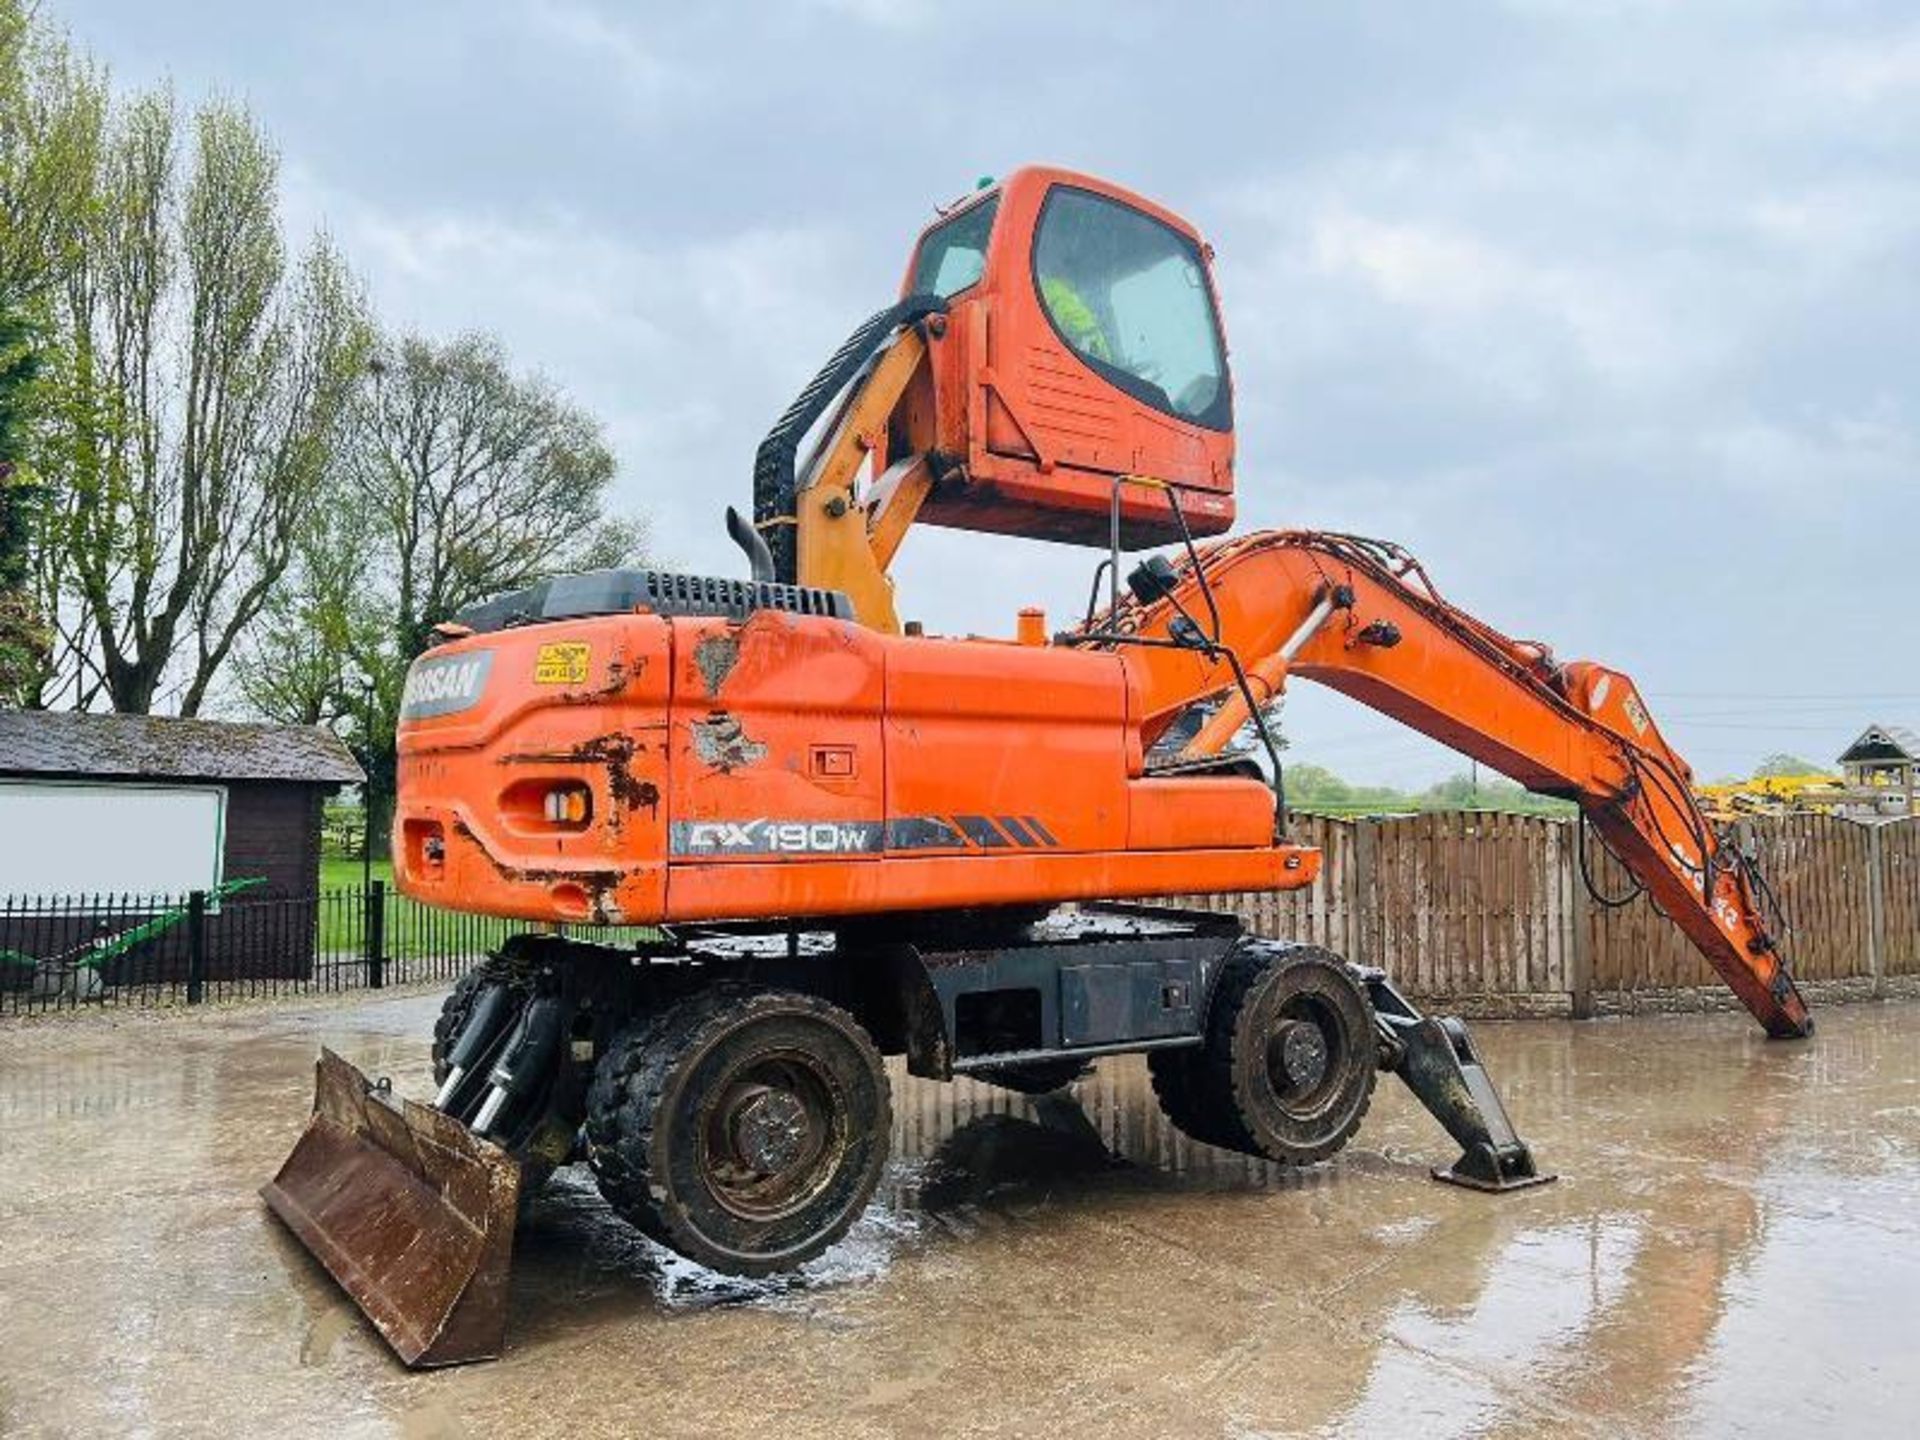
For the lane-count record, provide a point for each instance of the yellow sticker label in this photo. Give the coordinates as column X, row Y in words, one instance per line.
column 562, row 664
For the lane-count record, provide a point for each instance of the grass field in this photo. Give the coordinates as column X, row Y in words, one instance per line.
column 411, row 928
column 416, row 929
column 337, row 873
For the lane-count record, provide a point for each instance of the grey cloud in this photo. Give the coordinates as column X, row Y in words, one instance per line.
column 1609, row 310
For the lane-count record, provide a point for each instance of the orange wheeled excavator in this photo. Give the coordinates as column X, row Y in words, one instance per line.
column 857, row 840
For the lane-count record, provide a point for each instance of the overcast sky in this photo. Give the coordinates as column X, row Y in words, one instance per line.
column 1610, row 311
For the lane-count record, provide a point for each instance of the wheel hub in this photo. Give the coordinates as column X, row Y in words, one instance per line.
column 769, row 1130
column 1302, row 1052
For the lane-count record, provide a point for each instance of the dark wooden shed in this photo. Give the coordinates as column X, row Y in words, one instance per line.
column 143, row 810
column 267, row 782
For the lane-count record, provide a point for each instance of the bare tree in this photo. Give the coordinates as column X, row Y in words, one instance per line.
column 203, row 385
column 476, row 480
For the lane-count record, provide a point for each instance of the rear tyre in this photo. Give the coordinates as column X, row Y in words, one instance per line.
column 1289, row 1061
column 1036, row 1077
column 1179, row 1084
column 745, row 1129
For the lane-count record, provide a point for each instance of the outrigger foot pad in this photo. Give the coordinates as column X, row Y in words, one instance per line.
column 1436, row 1058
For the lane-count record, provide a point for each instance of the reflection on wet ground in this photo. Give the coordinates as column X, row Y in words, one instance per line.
column 1733, row 1249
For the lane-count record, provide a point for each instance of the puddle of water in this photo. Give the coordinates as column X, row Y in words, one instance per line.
column 967, row 1157
column 1737, row 1221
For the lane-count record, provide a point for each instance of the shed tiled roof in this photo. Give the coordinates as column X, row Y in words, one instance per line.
column 47, row 742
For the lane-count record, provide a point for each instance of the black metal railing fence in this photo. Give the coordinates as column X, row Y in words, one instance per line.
column 84, row 950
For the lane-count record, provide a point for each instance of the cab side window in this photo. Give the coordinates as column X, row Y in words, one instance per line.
column 954, row 255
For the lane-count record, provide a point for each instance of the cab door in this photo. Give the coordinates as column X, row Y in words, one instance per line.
column 1124, row 368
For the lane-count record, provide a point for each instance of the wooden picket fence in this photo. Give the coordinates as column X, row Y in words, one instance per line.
column 1491, row 907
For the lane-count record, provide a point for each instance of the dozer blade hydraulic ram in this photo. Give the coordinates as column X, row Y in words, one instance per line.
column 409, row 1210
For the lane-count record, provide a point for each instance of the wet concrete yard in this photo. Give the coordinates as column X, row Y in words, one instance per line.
column 1734, row 1249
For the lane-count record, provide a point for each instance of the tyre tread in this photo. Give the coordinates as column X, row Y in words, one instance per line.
column 625, row 1101
column 1199, row 1089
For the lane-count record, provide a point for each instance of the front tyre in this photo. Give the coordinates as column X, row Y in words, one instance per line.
column 452, row 1018
column 745, row 1129
column 1289, row 1062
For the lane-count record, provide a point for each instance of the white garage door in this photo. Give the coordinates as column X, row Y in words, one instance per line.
column 145, row 840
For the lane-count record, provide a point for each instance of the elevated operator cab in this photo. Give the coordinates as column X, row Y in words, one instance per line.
column 1082, row 342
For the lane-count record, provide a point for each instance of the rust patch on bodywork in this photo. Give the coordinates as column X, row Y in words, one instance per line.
column 720, row 743
column 619, row 672
column 716, row 655
column 616, row 752
column 599, row 885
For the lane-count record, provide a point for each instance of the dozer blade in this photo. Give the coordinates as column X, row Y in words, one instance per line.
column 409, row 1210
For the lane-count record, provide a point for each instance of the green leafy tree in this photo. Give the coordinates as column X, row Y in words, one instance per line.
column 1456, row 792
column 52, row 109
column 1489, row 792
column 1316, row 785
column 302, row 660
column 1782, row 763
column 471, row 480
column 1315, row 788
column 458, row 479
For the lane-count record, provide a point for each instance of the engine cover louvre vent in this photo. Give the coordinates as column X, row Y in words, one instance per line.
column 616, row 592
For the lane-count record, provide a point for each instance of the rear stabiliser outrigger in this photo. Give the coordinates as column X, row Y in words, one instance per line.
column 1437, row 1059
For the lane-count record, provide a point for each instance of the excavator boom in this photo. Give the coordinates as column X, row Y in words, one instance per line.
column 1237, row 618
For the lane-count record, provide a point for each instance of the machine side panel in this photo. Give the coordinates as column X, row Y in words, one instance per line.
column 776, row 741
column 999, row 750
column 772, row 887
